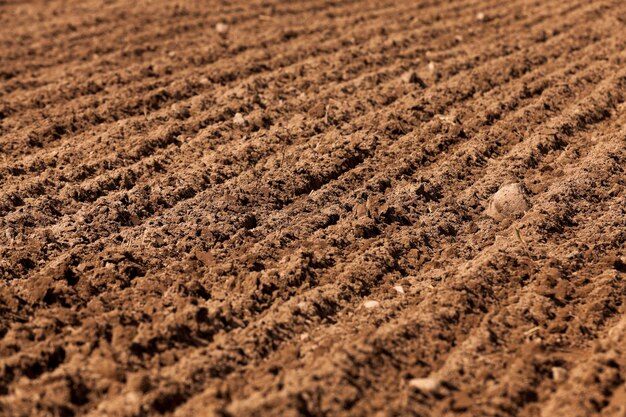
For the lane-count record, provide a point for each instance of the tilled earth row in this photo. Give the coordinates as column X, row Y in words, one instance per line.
column 269, row 208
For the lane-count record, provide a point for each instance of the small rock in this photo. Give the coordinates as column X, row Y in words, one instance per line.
column 411, row 77
column 369, row 304
column 559, row 374
column 221, row 27
column 509, row 201
column 304, row 336
column 426, row 385
column 480, row 16
column 179, row 111
column 399, row 289
column 408, row 77
column 431, row 66
column 239, row 120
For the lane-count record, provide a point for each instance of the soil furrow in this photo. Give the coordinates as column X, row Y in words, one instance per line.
column 312, row 208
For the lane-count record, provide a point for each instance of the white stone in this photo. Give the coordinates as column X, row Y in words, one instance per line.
column 239, row 120
column 221, row 27
column 369, row 304
column 425, row 384
column 559, row 374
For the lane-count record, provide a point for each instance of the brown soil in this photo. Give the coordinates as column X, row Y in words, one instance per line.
column 313, row 208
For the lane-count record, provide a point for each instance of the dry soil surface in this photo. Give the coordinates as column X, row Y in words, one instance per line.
column 313, row 208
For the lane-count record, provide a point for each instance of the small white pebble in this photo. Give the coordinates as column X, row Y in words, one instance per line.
column 221, row 27
column 425, row 384
column 399, row 289
column 559, row 374
column 371, row 304
column 409, row 77
column 304, row 336
column 480, row 16
column 239, row 120
column 431, row 66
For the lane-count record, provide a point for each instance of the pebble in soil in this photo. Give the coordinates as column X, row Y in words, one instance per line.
column 509, row 201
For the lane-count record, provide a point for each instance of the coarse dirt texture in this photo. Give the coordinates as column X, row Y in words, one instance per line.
column 313, row 208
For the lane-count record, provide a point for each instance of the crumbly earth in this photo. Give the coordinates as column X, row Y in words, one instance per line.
column 280, row 208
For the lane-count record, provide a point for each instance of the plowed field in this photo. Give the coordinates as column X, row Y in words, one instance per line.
column 313, row 208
